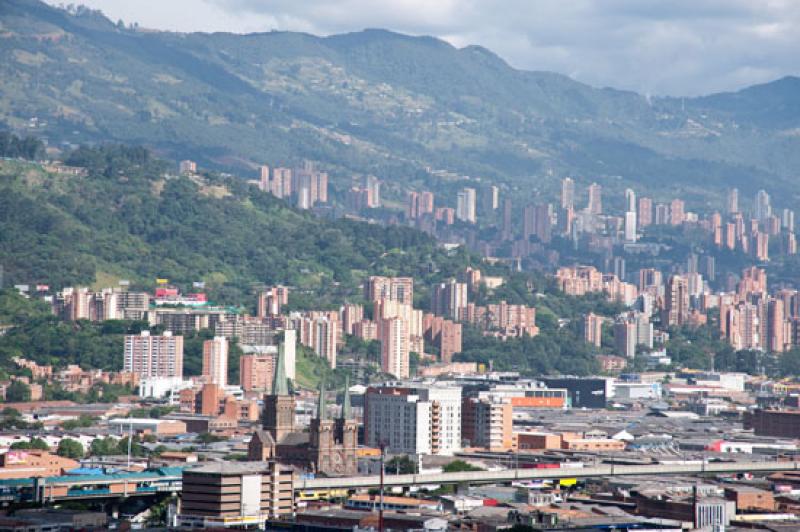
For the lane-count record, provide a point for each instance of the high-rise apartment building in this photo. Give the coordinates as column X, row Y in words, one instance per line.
column 187, row 167
column 215, row 360
column 676, row 301
column 595, row 205
column 324, row 337
column 153, row 356
column 449, row 299
column 644, row 215
column 567, row 193
column 373, row 186
column 256, row 372
column 349, row 315
column 263, row 180
column 466, row 206
column 761, row 206
column 487, row 422
column 630, row 226
column 414, row 420
column 399, row 289
column 443, row 334
column 625, row 338
column 394, row 336
column 630, row 200
column 270, row 301
column 733, row 201
column 677, row 215
column 662, row 214
column 593, row 329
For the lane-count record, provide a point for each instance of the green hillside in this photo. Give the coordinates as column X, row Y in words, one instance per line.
column 377, row 102
column 128, row 219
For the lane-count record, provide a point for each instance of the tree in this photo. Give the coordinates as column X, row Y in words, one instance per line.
column 105, row 447
column 207, row 437
column 34, row 443
column 18, row 392
column 401, row 465
column 458, row 466
column 69, row 448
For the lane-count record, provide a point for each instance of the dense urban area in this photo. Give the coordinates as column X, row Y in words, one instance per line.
column 356, row 330
column 551, row 366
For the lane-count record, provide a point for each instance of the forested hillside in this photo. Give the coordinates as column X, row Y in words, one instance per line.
column 128, row 219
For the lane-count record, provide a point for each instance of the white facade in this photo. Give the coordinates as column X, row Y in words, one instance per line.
column 465, row 206
column 160, row 387
column 215, row 360
column 414, row 420
column 630, row 226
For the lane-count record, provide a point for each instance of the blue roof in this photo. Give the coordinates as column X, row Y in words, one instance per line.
column 86, row 471
column 143, row 475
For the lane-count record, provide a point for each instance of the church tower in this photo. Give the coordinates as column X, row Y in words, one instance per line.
column 321, row 438
column 279, row 406
column 345, row 431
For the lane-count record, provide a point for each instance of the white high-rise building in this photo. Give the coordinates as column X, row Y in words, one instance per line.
column 630, row 200
column 414, row 419
column 762, row 208
column 215, row 360
column 630, row 226
column 154, row 356
column 465, row 206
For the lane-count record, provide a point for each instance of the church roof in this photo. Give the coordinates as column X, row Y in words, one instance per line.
column 264, row 437
column 295, row 439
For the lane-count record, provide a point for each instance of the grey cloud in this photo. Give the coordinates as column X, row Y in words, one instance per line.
column 679, row 47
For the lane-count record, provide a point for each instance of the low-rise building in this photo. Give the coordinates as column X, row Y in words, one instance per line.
column 236, row 494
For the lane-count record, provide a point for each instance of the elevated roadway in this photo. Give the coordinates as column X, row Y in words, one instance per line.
column 511, row 475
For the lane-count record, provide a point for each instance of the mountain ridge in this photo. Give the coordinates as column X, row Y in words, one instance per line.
column 379, row 102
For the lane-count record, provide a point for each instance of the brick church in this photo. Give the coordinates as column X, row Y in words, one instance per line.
column 327, row 448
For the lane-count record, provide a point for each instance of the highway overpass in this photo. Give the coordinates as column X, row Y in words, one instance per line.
column 168, row 480
column 510, row 475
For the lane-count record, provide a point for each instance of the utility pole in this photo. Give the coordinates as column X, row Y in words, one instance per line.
column 130, row 439
column 383, row 472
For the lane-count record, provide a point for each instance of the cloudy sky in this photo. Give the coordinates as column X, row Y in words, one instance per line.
column 676, row 47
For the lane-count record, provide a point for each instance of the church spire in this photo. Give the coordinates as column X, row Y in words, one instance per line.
column 346, row 409
column 280, row 386
column 321, row 414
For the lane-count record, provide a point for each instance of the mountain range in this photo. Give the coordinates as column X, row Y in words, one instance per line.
column 415, row 111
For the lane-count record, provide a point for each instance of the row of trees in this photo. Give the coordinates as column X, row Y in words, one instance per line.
column 13, row 146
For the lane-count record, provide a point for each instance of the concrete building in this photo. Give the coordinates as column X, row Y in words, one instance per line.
column 466, row 206
column 399, row 289
column 395, row 349
column 256, row 371
column 449, row 299
column 567, row 193
column 487, row 422
column 270, row 301
column 215, row 360
column 236, row 494
column 595, row 205
column 154, row 356
column 414, row 419
column 676, row 301
column 593, row 329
